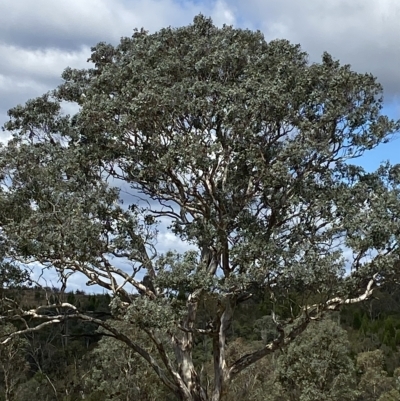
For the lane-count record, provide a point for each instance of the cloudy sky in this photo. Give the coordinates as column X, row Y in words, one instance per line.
column 38, row 39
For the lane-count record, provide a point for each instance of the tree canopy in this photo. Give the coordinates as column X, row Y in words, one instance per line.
column 239, row 147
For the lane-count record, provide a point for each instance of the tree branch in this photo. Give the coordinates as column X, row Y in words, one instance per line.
column 116, row 333
column 301, row 324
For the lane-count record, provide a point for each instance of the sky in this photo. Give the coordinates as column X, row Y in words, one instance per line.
column 39, row 39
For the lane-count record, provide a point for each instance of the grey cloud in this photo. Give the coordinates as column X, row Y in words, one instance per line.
column 27, row 74
column 14, row 92
column 68, row 25
column 61, row 25
column 363, row 33
column 43, row 65
column 39, row 40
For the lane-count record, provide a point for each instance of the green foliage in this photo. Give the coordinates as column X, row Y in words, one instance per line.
column 374, row 380
column 117, row 373
column 12, row 276
column 71, row 298
column 318, row 365
column 65, row 365
column 392, row 395
column 256, row 383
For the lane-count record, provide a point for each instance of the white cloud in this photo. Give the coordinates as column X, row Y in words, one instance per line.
column 38, row 42
column 167, row 241
column 28, row 73
column 39, row 64
column 223, row 14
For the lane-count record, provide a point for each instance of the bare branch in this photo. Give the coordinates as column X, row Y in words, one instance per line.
column 334, row 303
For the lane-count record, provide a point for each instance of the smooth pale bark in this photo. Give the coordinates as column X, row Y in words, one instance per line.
column 219, row 347
column 183, row 348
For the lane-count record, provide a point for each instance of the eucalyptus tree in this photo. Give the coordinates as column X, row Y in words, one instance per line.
column 239, row 147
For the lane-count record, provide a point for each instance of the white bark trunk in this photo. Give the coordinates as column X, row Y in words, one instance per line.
column 183, row 346
column 221, row 371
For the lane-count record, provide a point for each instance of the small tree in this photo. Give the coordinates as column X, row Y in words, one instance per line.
column 318, row 365
column 238, row 147
column 374, row 380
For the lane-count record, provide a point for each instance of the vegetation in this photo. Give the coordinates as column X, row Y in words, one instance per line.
column 327, row 360
column 243, row 150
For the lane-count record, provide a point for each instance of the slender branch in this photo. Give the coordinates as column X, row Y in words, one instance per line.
column 117, row 334
column 300, row 325
column 282, row 340
column 335, row 303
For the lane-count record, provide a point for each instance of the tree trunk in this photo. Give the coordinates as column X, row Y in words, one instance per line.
column 190, row 387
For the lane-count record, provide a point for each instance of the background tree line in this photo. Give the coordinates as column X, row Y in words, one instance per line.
column 351, row 355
